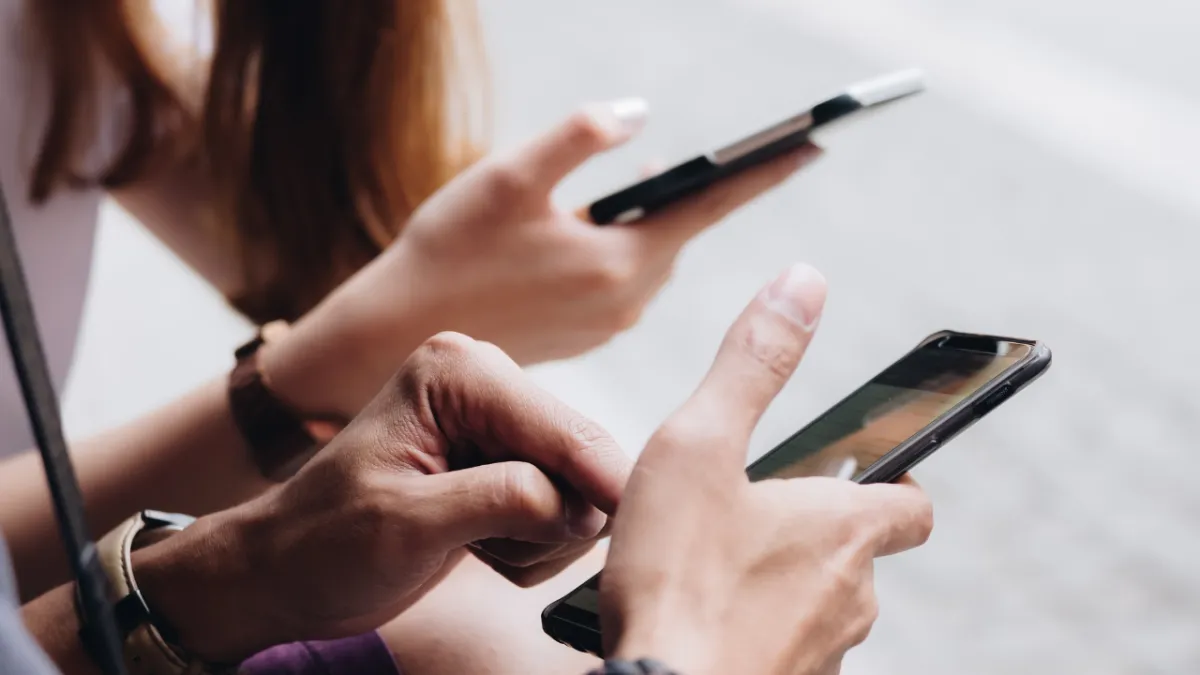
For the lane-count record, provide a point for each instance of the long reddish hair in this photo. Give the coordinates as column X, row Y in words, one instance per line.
column 320, row 126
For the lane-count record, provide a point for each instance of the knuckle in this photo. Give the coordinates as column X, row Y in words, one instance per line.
column 523, row 577
column 923, row 520
column 609, row 276
column 496, row 358
column 587, row 433
column 516, row 491
column 430, row 360
column 763, row 346
column 853, row 527
column 678, row 434
column 774, row 501
column 373, row 521
column 431, row 390
column 870, row 609
column 903, row 521
column 506, row 180
column 444, row 347
column 865, row 618
column 584, row 130
column 370, row 511
column 684, row 433
column 625, row 318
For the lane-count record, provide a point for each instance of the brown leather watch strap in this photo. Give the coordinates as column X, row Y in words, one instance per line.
column 280, row 438
column 148, row 643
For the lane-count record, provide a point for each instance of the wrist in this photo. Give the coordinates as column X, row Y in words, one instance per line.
column 336, row 358
column 687, row 652
column 206, row 583
column 311, row 369
column 617, row 666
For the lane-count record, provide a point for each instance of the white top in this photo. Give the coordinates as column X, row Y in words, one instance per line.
column 55, row 239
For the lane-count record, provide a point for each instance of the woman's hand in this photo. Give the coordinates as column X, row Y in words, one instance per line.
column 712, row 574
column 459, row 453
column 491, row 256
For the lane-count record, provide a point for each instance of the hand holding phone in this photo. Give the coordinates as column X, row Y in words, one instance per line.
column 657, row 192
column 875, row 435
column 706, row 570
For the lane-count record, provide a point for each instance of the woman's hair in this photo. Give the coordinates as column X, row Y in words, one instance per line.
column 324, row 123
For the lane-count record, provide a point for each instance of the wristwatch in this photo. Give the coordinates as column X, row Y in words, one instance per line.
column 639, row 667
column 281, row 439
column 149, row 643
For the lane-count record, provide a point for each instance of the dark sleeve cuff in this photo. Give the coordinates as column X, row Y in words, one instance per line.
column 362, row 655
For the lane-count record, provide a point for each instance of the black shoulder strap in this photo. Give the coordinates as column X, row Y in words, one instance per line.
column 41, row 402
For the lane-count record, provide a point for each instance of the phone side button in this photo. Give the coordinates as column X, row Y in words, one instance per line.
column 932, row 444
column 989, row 404
column 927, row 449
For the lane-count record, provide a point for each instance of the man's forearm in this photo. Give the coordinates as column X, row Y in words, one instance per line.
column 52, row 621
column 187, row 457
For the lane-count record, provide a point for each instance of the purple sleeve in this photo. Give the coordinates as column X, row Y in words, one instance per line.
column 363, row 655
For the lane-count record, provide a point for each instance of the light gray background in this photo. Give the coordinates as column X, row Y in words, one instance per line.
column 1045, row 187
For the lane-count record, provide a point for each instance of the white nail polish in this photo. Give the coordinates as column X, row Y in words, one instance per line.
column 631, row 113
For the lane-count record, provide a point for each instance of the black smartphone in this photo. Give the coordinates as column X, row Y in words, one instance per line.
column 635, row 202
column 875, row 435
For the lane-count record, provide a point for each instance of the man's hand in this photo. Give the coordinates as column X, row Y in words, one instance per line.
column 460, row 452
column 713, row 574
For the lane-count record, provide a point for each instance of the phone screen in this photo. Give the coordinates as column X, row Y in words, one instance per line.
column 893, row 407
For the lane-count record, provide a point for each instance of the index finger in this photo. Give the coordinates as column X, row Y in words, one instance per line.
column 592, row 130
column 900, row 514
column 486, row 400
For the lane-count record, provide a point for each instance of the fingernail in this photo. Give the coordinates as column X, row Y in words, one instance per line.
column 624, row 117
column 583, row 520
column 797, row 295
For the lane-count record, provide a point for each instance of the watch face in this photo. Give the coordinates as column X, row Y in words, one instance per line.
column 158, row 525
column 157, row 519
column 151, row 537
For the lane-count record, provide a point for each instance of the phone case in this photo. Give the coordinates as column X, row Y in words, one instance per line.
column 635, row 202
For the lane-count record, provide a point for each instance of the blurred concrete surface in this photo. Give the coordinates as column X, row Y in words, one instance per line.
column 1045, row 187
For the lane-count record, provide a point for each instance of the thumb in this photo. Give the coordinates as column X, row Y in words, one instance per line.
column 592, row 130
column 508, row 500
column 757, row 357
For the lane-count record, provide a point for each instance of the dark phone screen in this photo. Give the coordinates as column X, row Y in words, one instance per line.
column 893, row 407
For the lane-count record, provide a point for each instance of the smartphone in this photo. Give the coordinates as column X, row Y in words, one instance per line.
column 874, row 435
column 635, row 202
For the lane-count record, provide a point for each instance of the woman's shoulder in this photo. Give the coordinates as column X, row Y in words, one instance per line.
column 55, row 238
